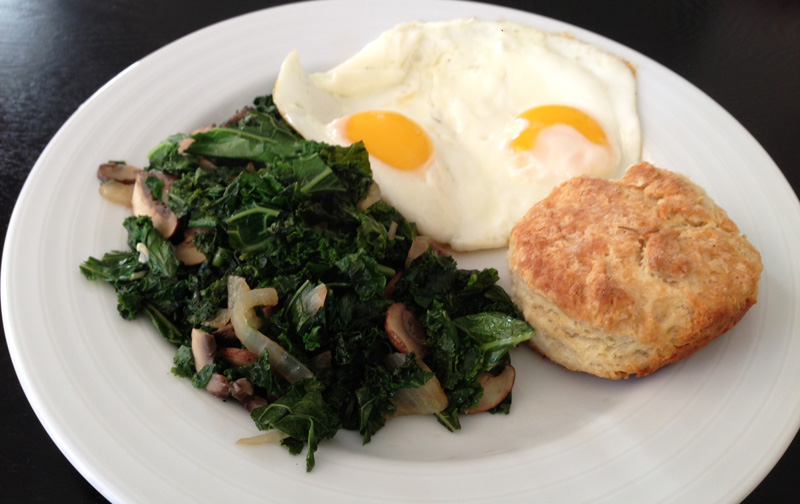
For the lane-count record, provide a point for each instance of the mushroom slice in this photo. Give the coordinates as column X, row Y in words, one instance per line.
column 203, row 350
column 244, row 392
column 186, row 252
column 404, row 330
column 242, row 389
column 219, row 386
column 186, row 142
column 117, row 192
column 495, row 389
column 144, row 203
column 206, row 164
column 254, row 402
column 120, row 172
column 237, row 356
column 238, row 116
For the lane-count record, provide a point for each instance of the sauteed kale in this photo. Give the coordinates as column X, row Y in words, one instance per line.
column 269, row 210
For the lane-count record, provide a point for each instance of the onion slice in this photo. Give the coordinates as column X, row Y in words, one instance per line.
column 392, row 232
column 220, row 320
column 282, row 361
column 418, row 247
column 425, row 400
column 314, row 299
column 269, row 437
column 373, row 196
column 236, row 287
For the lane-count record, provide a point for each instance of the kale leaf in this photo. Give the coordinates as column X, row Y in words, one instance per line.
column 159, row 254
column 303, row 414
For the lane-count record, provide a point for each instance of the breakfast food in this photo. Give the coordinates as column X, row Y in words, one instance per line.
column 469, row 122
column 254, row 253
column 620, row 278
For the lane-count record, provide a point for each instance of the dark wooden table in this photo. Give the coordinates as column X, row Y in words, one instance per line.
column 54, row 54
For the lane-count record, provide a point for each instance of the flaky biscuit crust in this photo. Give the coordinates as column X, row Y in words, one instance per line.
column 620, row 278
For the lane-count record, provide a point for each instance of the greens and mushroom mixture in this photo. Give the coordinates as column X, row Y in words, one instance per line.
column 286, row 284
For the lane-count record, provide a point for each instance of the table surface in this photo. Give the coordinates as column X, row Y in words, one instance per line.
column 745, row 54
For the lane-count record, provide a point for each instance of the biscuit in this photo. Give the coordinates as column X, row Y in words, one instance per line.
column 620, row 278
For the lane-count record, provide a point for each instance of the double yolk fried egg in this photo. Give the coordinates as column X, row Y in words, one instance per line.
column 468, row 123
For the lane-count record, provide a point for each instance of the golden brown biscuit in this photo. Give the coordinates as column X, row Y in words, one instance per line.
column 620, row 278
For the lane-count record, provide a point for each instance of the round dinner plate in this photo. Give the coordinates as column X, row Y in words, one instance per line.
column 707, row 429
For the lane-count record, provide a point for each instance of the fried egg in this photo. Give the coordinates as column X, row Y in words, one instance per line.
column 467, row 122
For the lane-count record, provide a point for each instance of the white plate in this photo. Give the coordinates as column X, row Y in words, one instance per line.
column 704, row 430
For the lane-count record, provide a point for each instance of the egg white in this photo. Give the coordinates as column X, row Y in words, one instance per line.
column 465, row 82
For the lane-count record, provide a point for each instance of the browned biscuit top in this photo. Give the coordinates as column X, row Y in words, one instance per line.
column 650, row 257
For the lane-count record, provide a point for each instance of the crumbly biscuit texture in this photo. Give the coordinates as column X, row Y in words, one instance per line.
column 620, row 278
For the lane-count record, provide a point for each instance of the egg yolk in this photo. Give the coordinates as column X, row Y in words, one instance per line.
column 539, row 118
column 391, row 137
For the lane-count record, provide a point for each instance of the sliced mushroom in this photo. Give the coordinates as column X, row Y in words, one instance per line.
column 268, row 311
column 186, row 142
column 225, row 335
column 404, row 330
column 186, row 252
column 117, row 192
column 144, row 203
column 120, row 172
column 254, row 402
column 219, row 386
column 242, row 388
column 244, row 392
column 206, row 164
column 439, row 248
column 204, row 348
column 238, row 116
column 495, row 389
column 237, row 356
